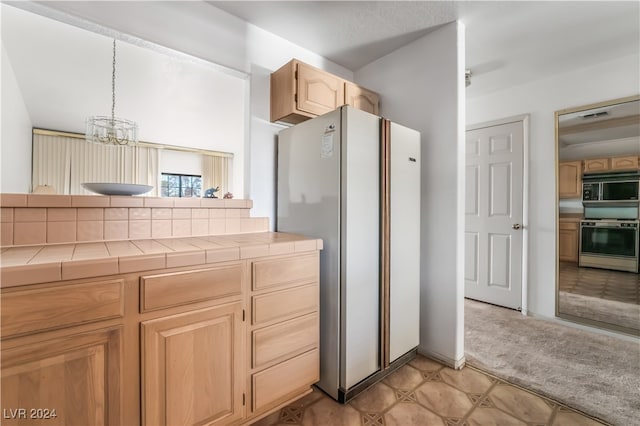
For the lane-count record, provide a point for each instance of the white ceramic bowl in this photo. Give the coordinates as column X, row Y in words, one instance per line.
column 117, row 188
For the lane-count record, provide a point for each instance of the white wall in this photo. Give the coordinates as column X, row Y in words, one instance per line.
column 206, row 32
column 64, row 73
column 421, row 86
column 15, row 142
column 540, row 99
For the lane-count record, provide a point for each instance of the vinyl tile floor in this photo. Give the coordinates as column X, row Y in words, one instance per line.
column 424, row 393
column 603, row 283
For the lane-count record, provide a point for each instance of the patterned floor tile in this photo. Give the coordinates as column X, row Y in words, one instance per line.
column 411, row 414
column 444, row 397
column 492, row 417
column 406, row 396
column 520, row 404
column 467, row 380
column 406, row 377
column 377, row 398
column 611, row 285
column 372, row 419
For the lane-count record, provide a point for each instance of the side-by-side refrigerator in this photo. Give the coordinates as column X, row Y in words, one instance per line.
column 353, row 179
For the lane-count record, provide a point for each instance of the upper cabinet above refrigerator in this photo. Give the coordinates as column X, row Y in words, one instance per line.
column 300, row 91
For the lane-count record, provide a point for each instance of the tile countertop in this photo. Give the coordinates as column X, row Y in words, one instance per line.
column 23, row 265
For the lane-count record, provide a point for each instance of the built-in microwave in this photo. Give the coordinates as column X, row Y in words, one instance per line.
column 621, row 189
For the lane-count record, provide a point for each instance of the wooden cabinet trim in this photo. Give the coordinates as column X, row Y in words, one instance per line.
column 180, row 288
column 31, row 310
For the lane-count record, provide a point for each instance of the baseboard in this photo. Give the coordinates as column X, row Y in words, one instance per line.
column 456, row 364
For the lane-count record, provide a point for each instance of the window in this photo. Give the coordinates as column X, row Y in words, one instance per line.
column 176, row 185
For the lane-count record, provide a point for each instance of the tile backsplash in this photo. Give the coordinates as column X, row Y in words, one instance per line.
column 28, row 219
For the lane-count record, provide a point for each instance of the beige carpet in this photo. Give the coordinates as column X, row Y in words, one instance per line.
column 597, row 374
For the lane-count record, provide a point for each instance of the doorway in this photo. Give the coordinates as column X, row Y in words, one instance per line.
column 495, row 212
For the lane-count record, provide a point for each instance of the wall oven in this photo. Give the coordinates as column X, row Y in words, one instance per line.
column 609, row 244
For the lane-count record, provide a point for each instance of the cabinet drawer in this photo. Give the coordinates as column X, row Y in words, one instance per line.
column 269, row 273
column 180, row 288
column 568, row 225
column 277, row 382
column 280, row 305
column 284, row 340
column 55, row 307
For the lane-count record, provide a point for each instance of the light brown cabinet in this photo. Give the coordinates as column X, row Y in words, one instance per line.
column 207, row 344
column 192, row 367
column 62, row 353
column 570, row 179
column 361, row 98
column 620, row 163
column 73, row 379
column 628, row 162
column 592, row 165
column 284, row 330
column 300, row 91
column 568, row 240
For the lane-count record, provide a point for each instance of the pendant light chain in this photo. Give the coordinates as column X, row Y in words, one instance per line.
column 112, row 130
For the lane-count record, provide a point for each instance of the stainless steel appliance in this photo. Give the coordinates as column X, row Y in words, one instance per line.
column 609, row 244
column 611, row 195
column 353, row 179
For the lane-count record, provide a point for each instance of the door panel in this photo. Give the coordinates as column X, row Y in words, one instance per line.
column 404, row 280
column 189, row 351
column 471, row 256
column 493, row 205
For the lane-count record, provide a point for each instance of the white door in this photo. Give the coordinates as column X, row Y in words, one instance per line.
column 494, row 212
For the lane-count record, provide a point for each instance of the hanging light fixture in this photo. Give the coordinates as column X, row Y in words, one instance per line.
column 112, row 130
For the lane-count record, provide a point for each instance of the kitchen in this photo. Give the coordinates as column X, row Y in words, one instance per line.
column 443, row 324
column 598, row 149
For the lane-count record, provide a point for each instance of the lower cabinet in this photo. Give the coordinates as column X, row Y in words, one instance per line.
column 284, row 331
column 568, row 240
column 192, row 367
column 70, row 380
column 181, row 346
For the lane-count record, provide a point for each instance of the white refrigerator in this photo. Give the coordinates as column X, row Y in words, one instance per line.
column 353, row 179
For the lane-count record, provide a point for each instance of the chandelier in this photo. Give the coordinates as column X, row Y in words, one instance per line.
column 112, row 130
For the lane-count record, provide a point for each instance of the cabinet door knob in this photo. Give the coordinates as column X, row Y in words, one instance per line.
column 516, row 226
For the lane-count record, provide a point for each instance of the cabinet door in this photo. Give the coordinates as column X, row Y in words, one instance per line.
column 71, row 380
column 596, row 165
column 192, row 367
column 624, row 163
column 568, row 245
column 570, row 179
column 361, row 98
column 318, row 92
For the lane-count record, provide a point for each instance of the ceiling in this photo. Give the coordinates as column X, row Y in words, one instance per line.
column 507, row 43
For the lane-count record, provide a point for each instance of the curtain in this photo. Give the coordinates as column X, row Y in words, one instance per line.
column 215, row 173
column 66, row 162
